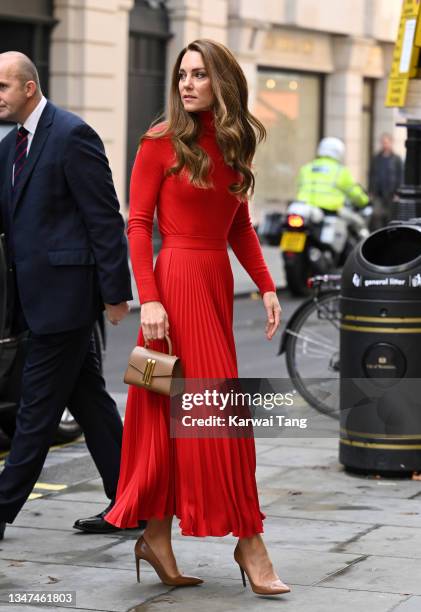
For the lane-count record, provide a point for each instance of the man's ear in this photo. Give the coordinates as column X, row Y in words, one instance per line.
column 30, row 89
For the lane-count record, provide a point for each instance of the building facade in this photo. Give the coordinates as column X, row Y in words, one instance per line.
column 314, row 68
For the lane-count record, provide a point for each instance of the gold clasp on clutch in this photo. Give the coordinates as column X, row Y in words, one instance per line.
column 147, row 375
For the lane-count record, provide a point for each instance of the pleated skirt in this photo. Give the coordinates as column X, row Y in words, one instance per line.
column 207, row 482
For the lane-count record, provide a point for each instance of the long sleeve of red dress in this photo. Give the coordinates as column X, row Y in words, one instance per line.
column 185, row 210
column 246, row 246
column 145, row 183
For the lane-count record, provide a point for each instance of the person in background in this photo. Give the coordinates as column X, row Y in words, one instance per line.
column 386, row 173
column 325, row 182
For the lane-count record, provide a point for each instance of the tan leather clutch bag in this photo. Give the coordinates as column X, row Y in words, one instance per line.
column 155, row 371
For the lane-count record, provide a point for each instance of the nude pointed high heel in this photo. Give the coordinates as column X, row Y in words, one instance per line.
column 142, row 550
column 273, row 588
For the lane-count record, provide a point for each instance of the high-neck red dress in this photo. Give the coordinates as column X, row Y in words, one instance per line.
column 208, row 483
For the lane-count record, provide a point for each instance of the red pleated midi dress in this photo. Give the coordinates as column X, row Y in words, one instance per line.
column 208, row 483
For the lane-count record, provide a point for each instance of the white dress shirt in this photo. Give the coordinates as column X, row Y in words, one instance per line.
column 31, row 125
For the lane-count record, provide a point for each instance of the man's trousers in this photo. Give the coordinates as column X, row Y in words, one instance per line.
column 61, row 370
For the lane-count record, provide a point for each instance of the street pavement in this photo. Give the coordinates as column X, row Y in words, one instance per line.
column 343, row 542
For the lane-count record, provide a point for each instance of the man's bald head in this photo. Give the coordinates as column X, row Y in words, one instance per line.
column 21, row 67
column 20, row 90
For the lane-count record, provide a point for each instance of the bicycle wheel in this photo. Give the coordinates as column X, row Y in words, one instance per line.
column 312, row 352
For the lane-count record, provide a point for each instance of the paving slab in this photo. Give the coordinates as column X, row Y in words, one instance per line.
column 97, row 588
column 284, row 456
column 412, row 604
column 72, row 548
column 38, row 608
column 348, row 508
column 268, row 473
column 55, row 514
column 213, row 560
column 261, row 443
column 382, row 574
column 302, row 442
column 91, row 491
column 337, row 480
column 227, row 598
column 285, row 533
column 388, row 541
column 313, row 535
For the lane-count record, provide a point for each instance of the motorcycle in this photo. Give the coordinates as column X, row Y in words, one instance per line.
column 316, row 241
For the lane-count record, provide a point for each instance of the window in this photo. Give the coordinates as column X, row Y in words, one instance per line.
column 148, row 35
column 31, row 38
column 289, row 106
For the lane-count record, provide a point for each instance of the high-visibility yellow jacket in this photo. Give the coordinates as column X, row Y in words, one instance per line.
column 326, row 183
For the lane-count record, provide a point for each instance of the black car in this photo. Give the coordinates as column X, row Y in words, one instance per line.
column 12, row 356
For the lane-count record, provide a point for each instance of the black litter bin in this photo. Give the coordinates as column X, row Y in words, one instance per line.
column 380, row 353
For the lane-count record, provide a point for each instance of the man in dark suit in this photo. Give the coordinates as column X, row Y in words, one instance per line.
column 68, row 252
column 385, row 178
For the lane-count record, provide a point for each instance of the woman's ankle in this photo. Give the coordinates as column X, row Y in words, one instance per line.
column 157, row 528
column 255, row 542
column 156, row 535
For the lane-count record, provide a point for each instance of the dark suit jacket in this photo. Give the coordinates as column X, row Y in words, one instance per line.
column 63, row 227
column 386, row 175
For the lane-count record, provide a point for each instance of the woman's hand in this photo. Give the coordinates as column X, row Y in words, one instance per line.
column 273, row 311
column 154, row 321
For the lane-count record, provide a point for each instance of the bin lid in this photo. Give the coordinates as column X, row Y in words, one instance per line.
column 387, row 262
column 395, row 248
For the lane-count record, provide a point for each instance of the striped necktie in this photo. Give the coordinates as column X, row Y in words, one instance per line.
column 21, row 151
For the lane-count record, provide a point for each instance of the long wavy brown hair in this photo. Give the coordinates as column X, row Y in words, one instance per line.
column 237, row 130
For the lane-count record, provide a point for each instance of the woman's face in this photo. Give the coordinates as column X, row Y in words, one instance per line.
column 194, row 83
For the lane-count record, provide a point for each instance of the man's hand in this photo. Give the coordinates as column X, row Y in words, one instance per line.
column 117, row 312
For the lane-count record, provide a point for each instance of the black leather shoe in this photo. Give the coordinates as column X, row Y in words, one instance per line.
column 2, row 528
column 95, row 524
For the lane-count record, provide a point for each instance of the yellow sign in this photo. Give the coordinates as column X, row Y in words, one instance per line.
column 405, row 57
column 418, row 34
column 410, row 8
column 406, row 54
column 397, row 90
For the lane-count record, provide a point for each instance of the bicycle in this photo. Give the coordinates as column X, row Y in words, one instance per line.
column 311, row 345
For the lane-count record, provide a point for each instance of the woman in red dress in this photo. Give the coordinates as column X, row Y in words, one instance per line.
column 195, row 170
